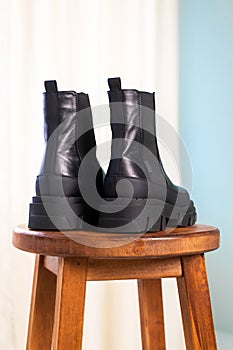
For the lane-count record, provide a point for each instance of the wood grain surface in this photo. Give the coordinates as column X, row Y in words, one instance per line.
column 42, row 308
column 195, row 305
column 151, row 314
column 187, row 240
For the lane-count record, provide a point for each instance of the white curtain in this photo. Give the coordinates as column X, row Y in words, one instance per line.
column 80, row 43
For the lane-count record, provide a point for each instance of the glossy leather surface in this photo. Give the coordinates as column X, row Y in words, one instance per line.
column 69, row 135
column 60, row 110
column 133, row 121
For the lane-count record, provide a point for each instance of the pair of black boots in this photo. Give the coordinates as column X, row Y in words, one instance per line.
column 72, row 192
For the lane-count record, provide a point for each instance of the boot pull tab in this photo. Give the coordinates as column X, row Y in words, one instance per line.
column 114, row 84
column 50, row 86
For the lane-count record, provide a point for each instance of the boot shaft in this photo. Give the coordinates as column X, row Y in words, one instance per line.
column 131, row 108
column 68, row 130
column 133, row 126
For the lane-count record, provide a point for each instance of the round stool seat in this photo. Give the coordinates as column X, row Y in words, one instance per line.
column 65, row 261
column 181, row 241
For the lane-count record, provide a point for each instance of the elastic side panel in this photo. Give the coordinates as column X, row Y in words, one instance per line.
column 51, row 113
column 52, row 120
column 147, row 112
column 147, row 101
column 116, row 100
column 84, row 126
column 117, row 121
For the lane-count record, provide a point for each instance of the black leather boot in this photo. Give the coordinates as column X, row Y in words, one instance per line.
column 69, row 136
column 139, row 195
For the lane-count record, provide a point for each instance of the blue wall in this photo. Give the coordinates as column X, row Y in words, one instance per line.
column 206, row 125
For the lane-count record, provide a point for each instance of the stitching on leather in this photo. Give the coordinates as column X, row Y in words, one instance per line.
column 47, row 137
column 140, row 125
column 58, row 126
column 124, row 126
column 76, row 122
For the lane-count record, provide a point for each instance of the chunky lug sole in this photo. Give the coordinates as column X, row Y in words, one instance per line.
column 141, row 215
column 61, row 213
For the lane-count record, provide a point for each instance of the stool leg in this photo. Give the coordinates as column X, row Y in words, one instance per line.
column 195, row 305
column 151, row 314
column 70, row 301
column 42, row 308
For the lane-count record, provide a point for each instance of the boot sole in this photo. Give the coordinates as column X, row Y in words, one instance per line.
column 61, row 213
column 141, row 216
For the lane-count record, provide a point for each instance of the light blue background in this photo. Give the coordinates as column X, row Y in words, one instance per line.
column 206, row 125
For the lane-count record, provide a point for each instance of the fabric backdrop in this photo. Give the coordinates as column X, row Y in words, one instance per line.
column 80, row 43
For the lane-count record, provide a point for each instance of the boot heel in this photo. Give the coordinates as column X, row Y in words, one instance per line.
column 143, row 215
column 139, row 216
column 60, row 213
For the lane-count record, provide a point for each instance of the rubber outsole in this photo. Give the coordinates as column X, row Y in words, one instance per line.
column 143, row 215
column 121, row 216
column 61, row 213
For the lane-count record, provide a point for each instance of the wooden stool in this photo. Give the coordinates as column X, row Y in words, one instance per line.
column 63, row 266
